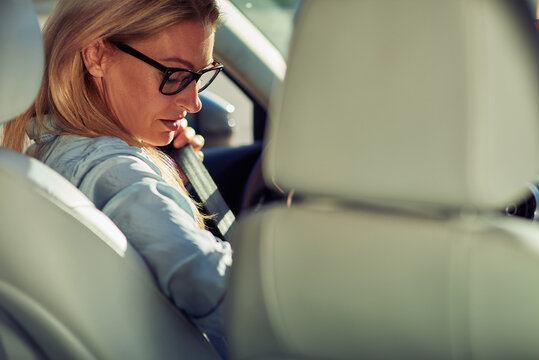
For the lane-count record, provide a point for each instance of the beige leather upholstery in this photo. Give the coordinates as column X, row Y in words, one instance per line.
column 402, row 126
column 70, row 285
column 21, row 58
column 413, row 100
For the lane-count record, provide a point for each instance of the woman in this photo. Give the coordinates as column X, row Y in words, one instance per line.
column 120, row 77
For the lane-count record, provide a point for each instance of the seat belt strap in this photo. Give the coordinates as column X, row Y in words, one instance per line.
column 205, row 188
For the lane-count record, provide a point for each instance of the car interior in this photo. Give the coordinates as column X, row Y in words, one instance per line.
column 397, row 142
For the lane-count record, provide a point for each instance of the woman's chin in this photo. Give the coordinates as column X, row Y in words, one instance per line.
column 161, row 140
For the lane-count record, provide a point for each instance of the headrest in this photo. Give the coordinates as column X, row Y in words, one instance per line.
column 424, row 101
column 21, row 57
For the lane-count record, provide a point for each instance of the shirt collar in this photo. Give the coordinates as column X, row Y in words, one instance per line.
column 42, row 134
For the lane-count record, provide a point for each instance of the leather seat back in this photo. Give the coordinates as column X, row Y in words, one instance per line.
column 403, row 127
column 71, row 287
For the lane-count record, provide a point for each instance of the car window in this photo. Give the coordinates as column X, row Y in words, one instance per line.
column 241, row 119
column 274, row 18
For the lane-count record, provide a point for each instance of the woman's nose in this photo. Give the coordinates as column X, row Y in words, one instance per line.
column 188, row 98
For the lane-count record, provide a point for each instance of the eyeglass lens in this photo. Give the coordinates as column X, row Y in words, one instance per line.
column 179, row 80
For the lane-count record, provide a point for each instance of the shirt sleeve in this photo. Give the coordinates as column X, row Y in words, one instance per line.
column 190, row 264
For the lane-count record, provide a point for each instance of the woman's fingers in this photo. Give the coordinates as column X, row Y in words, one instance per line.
column 180, row 138
column 187, row 135
column 184, row 135
column 197, row 142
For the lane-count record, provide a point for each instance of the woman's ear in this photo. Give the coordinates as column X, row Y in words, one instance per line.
column 94, row 58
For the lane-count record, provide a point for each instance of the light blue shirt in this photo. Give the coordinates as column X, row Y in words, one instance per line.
column 190, row 264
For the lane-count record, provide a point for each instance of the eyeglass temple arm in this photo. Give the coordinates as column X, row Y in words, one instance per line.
column 128, row 49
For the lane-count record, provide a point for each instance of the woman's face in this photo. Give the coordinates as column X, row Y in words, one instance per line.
column 131, row 87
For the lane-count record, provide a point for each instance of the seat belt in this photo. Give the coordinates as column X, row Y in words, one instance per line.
column 205, row 188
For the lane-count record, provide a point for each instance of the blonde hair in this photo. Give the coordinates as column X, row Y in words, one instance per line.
column 68, row 92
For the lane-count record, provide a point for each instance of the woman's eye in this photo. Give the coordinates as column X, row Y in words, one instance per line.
column 179, row 77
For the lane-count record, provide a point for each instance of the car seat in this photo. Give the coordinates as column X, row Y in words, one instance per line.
column 402, row 128
column 71, row 287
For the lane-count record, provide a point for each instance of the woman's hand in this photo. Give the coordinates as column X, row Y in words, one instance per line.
column 187, row 135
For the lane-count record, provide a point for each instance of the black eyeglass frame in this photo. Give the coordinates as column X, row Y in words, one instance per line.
column 169, row 71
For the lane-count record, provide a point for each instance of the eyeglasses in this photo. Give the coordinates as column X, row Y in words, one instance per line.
column 174, row 79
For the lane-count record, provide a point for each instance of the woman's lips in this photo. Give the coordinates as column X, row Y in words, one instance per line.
column 172, row 125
